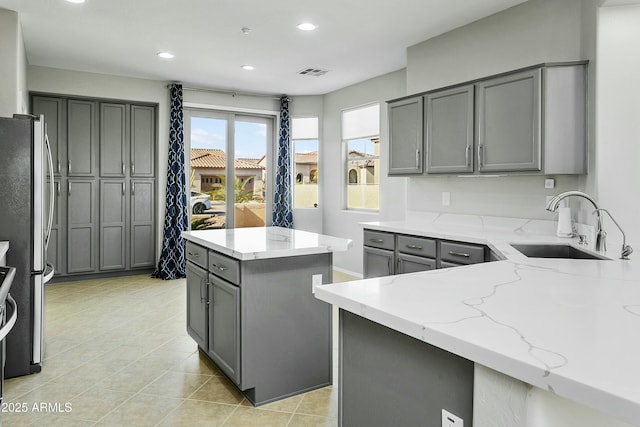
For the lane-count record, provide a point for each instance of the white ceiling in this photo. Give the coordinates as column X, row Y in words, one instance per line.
column 355, row 40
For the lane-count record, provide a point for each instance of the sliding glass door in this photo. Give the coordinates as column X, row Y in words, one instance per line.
column 230, row 168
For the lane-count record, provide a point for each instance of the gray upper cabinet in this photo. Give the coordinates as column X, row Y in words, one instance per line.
column 142, row 141
column 113, row 134
column 53, row 110
column 81, row 138
column 449, row 130
column 405, row 136
column 508, row 123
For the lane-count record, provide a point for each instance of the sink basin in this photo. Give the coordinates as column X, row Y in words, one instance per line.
column 554, row 250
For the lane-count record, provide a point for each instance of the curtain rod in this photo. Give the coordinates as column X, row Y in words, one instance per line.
column 233, row 93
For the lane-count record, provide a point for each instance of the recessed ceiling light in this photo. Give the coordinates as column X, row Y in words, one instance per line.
column 75, row 1
column 248, row 67
column 306, row 26
column 165, row 55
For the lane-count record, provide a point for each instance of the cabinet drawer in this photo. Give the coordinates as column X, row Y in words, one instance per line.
column 379, row 239
column 225, row 267
column 461, row 253
column 420, row 246
column 197, row 254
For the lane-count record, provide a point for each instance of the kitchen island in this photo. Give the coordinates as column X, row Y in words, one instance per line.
column 251, row 309
column 566, row 327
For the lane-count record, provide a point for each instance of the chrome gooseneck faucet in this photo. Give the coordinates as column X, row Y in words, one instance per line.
column 626, row 249
column 553, row 204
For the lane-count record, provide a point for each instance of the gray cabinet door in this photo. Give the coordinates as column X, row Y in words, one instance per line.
column 53, row 110
column 224, row 326
column 405, row 137
column 143, row 233
column 143, row 141
column 449, row 130
column 508, row 123
column 378, row 262
column 197, row 302
column 412, row 264
column 113, row 131
column 54, row 249
column 81, row 138
column 112, row 224
column 81, row 226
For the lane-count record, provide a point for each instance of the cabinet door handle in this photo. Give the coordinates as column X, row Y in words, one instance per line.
column 411, row 246
column 376, row 240
column 123, row 188
column 467, row 157
column 69, row 189
column 133, row 188
column 417, row 157
column 58, row 188
column 123, row 171
column 195, row 255
column 459, row 254
column 219, row 267
column 69, row 167
column 203, row 295
column 58, row 166
column 480, row 155
column 390, row 265
column 133, row 168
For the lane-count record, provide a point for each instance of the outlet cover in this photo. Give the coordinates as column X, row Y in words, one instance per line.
column 316, row 280
column 450, row 420
column 446, row 198
column 549, row 183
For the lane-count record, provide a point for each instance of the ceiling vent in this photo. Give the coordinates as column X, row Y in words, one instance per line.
column 313, row 72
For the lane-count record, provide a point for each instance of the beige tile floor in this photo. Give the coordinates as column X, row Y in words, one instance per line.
column 117, row 354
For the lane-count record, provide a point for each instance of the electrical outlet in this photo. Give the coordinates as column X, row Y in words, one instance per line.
column 446, row 198
column 450, row 420
column 549, row 183
column 316, row 280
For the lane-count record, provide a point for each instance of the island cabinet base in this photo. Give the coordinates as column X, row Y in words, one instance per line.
column 270, row 336
column 387, row 378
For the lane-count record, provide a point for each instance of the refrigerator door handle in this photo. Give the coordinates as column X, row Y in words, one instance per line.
column 51, row 192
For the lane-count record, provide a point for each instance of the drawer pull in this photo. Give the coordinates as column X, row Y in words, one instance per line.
column 195, row 255
column 219, row 267
column 459, row 254
column 376, row 240
column 418, row 247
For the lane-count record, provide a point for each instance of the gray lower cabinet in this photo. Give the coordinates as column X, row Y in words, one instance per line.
column 259, row 321
column 378, row 262
column 113, row 223
column 449, row 131
column 197, row 304
column 224, row 326
column 54, row 248
column 412, row 264
column 405, row 135
column 82, row 221
column 390, row 379
column 142, row 228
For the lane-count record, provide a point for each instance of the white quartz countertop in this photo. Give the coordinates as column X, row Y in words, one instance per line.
column 266, row 242
column 567, row 326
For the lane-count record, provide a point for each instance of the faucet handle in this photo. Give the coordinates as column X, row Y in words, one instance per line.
column 583, row 239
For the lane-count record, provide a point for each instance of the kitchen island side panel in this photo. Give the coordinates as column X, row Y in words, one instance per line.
column 285, row 330
column 391, row 379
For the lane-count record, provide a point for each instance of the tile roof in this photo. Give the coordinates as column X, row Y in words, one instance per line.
column 214, row 158
column 307, row 158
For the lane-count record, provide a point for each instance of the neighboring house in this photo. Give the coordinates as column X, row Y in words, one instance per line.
column 209, row 167
column 306, row 168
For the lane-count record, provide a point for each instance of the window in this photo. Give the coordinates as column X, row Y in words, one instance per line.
column 361, row 139
column 304, row 134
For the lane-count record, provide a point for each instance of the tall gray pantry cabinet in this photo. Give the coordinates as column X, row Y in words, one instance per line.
column 104, row 184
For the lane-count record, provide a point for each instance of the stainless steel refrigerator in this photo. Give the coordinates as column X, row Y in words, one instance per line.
column 25, row 222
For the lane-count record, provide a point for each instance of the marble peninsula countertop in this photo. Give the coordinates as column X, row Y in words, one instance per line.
column 266, row 242
column 563, row 325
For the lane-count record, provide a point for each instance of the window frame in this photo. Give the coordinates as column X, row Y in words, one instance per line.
column 293, row 161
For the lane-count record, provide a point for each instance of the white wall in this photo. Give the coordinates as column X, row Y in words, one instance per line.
column 13, row 66
column 618, row 120
column 534, row 32
column 336, row 220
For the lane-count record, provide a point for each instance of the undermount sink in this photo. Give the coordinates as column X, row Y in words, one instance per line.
column 554, row 250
